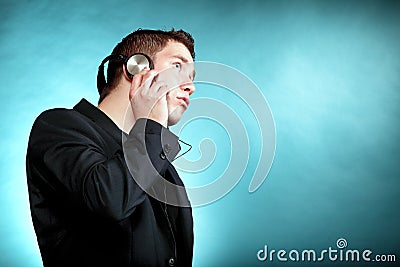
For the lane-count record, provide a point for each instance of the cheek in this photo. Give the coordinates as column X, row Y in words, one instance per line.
column 170, row 101
column 171, row 96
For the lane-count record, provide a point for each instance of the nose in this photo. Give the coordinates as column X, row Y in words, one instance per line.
column 188, row 87
column 188, row 72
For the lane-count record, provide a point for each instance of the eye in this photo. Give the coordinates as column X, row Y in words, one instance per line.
column 177, row 66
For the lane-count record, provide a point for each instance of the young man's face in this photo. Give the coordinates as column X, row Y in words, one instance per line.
column 174, row 62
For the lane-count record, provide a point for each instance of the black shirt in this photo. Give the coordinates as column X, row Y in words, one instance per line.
column 87, row 210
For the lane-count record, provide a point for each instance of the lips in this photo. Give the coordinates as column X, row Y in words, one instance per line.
column 184, row 100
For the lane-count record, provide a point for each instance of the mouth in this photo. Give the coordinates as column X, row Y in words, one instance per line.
column 184, row 101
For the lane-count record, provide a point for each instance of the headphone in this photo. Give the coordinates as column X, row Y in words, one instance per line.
column 133, row 65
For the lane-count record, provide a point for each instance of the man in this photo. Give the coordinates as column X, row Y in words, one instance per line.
column 88, row 208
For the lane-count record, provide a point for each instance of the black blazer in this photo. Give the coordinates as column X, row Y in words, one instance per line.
column 87, row 210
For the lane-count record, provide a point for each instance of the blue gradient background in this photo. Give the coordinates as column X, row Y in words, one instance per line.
column 330, row 71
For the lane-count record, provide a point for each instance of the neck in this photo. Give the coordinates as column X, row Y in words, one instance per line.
column 117, row 107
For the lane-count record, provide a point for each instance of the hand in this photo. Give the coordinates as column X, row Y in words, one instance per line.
column 148, row 97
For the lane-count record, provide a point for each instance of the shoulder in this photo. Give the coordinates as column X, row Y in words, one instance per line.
column 62, row 119
column 59, row 116
column 61, row 123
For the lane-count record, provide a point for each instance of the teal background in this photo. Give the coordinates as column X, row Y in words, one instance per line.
column 330, row 71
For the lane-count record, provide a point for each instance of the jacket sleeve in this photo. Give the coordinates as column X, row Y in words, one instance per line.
column 68, row 156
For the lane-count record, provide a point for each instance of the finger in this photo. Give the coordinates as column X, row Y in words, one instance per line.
column 155, row 88
column 162, row 89
column 148, row 80
column 138, row 82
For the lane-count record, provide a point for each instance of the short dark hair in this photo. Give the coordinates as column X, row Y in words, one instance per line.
column 149, row 42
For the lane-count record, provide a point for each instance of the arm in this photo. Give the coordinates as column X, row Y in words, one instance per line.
column 70, row 159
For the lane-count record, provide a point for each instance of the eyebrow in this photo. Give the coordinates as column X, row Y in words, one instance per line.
column 184, row 60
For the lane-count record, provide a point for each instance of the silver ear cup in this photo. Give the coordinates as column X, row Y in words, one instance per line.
column 136, row 63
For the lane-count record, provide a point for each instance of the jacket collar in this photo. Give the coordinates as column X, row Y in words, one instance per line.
column 96, row 115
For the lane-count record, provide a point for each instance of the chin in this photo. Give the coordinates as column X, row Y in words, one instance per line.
column 172, row 120
column 175, row 116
